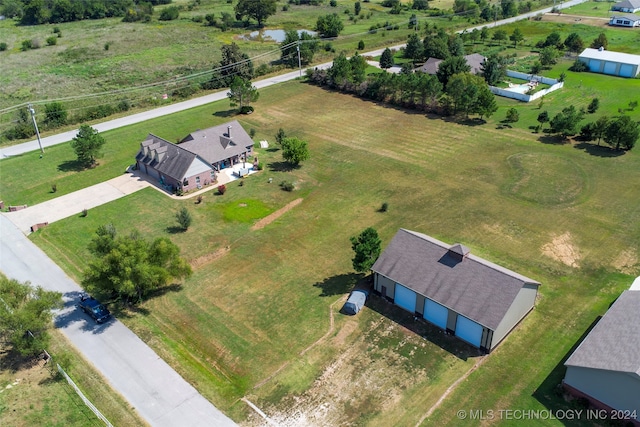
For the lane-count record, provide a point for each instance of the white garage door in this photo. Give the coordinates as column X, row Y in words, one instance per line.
column 626, row 70
column 436, row 313
column 469, row 331
column 405, row 298
column 594, row 65
column 610, row 67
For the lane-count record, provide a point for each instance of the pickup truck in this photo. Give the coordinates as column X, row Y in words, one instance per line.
column 92, row 306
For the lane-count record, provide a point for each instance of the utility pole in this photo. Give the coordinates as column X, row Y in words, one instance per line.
column 299, row 61
column 35, row 125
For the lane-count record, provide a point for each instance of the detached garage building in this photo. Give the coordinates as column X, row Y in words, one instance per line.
column 613, row 63
column 478, row 301
column 605, row 368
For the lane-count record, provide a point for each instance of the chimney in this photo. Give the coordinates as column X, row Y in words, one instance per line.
column 458, row 252
column 229, row 131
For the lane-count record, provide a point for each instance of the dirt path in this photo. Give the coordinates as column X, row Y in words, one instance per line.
column 277, row 214
column 450, row 389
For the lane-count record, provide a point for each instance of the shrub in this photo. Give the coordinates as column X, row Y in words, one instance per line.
column 197, row 18
column 287, row 186
column 384, row 207
column 54, row 188
column 512, row 115
column 199, row 199
column 333, row 3
column 246, row 109
column 184, row 218
column 170, row 13
column 56, row 30
column 3, row 46
column 26, row 45
column 85, row 212
column 124, row 105
column 52, row 41
column 361, row 45
column 252, row 132
column 35, row 44
column 107, row 45
column 593, row 105
column 222, row 189
column 286, row 7
column 280, row 136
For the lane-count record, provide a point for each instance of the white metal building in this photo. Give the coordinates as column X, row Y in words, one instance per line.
column 613, row 63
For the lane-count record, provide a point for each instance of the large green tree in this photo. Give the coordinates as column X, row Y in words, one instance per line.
column 386, row 59
column 293, row 42
column 566, row 122
column 234, row 63
column 131, row 268
column 242, row 93
column 574, row 43
column 622, row 132
column 329, row 25
column 414, row 49
column 87, row 145
column 367, row 246
column 450, row 66
column 516, row 36
column 294, row 150
column 25, row 315
column 259, row 10
column 494, row 69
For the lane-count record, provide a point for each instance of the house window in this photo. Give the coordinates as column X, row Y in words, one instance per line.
column 213, row 174
column 197, row 180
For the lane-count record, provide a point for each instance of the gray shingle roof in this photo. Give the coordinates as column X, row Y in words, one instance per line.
column 614, row 343
column 629, row 16
column 473, row 287
column 215, row 144
column 174, row 163
column 474, row 61
column 627, row 4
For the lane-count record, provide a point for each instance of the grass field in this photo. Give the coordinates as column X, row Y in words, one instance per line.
column 30, row 393
column 258, row 319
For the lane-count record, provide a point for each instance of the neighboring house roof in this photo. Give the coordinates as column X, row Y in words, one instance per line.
column 165, row 157
column 451, row 276
column 474, row 61
column 629, row 16
column 614, row 343
column 627, row 4
column 218, row 143
column 607, row 55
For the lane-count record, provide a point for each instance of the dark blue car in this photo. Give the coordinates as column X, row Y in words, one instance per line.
column 93, row 307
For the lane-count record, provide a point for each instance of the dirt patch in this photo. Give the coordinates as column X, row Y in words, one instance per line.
column 277, row 214
column 561, row 249
column 208, row 258
column 626, row 261
column 575, row 19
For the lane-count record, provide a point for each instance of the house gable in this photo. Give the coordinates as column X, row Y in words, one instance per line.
column 164, row 157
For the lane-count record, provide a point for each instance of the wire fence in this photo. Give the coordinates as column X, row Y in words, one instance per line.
column 83, row 397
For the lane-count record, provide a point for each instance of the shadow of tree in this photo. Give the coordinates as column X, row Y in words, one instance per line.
column 340, row 284
column 472, row 121
column 550, row 393
column 282, row 167
column 599, row 150
column 226, row 113
column 421, row 327
column 174, row 229
column 553, row 139
column 71, row 166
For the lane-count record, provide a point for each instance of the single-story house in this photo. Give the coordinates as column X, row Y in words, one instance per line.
column 197, row 158
column 474, row 61
column 605, row 368
column 625, row 20
column 608, row 62
column 474, row 299
column 626, row 6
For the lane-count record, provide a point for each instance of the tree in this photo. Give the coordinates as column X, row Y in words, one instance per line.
column 548, row 56
column 87, row 145
column 55, row 115
column 494, row 69
column 414, row 49
column 516, row 37
column 386, row 59
column 329, row 25
column 184, row 218
column 593, row 106
column 484, row 34
column 358, row 66
column 600, row 127
column 234, row 63
column 512, row 115
column 131, row 268
column 486, row 103
column 435, row 46
column 574, row 43
column 242, row 93
column 499, row 35
column 600, row 42
column 543, row 118
column 420, row 5
column 25, row 315
column 280, row 136
column 357, row 8
column 259, row 10
column 566, row 121
column 292, row 42
column 294, row 150
column 552, row 40
column 451, row 66
column 169, row 14
column 622, row 131
column 456, row 45
column 367, row 246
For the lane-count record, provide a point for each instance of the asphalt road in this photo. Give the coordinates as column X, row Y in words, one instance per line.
column 153, row 388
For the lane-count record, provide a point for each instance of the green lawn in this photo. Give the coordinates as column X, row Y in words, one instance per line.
column 599, row 9
column 246, row 322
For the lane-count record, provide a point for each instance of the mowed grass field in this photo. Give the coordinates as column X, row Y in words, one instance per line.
column 259, row 318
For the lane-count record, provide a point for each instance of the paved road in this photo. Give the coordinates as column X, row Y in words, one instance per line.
column 153, row 388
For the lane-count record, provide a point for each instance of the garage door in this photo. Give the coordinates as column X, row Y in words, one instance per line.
column 468, row 330
column 594, row 65
column 610, row 67
column 626, row 70
column 405, row 298
column 436, row 313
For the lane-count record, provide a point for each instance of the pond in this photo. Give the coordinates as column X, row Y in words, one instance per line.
column 271, row 35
